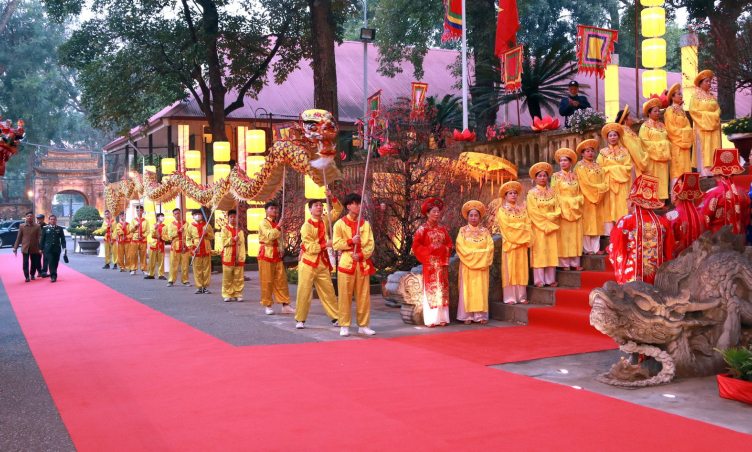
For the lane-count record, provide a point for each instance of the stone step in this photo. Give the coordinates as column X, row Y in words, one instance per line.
column 594, row 263
column 514, row 313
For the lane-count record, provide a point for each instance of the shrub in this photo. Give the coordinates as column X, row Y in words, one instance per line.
column 739, row 361
column 502, row 131
column 85, row 221
column 582, row 120
column 292, row 275
column 738, row 125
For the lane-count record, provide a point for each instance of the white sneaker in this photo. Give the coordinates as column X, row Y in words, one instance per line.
column 238, row 298
column 228, row 299
column 300, row 325
column 133, row 272
column 365, row 330
column 269, row 310
column 143, row 272
column 287, row 309
column 344, row 331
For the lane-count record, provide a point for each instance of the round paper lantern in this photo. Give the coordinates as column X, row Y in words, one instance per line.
column 653, row 22
column 255, row 141
column 221, row 151
column 312, row 190
column 253, row 245
column 169, row 165
column 151, row 168
column 652, row 2
column 654, row 52
column 194, row 175
column 253, row 165
column 221, row 171
column 254, row 216
column 193, row 159
column 653, row 82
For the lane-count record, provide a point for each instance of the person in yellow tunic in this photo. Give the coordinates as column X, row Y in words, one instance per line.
column 592, row 179
column 617, row 165
column 271, row 269
column 630, row 141
column 123, row 234
column 233, row 258
column 570, row 200
column 201, row 250
column 475, row 248
column 139, row 234
column 545, row 214
column 180, row 254
column 354, row 239
column 157, row 249
column 517, row 237
column 706, row 115
column 110, row 240
column 655, row 142
column 680, row 134
column 314, row 267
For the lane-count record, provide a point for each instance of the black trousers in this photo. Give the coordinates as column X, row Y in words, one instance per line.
column 36, row 264
column 52, row 258
column 45, row 264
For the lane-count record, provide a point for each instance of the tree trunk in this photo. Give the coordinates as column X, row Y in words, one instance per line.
column 216, row 117
column 323, row 60
column 481, row 36
column 723, row 30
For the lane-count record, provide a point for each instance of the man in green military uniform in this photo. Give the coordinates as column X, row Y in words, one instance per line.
column 53, row 240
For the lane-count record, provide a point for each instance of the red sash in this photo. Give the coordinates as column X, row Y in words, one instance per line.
column 140, row 231
column 205, row 251
column 159, row 243
column 274, row 248
column 323, row 254
column 126, row 237
column 353, row 232
column 234, row 250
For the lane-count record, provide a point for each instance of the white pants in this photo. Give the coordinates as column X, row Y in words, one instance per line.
column 463, row 316
column 591, row 243
column 545, row 275
column 569, row 261
column 514, row 294
column 434, row 316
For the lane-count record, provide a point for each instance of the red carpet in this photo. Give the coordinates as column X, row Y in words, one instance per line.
column 127, row 378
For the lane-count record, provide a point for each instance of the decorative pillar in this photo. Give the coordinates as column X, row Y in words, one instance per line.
column 612, row 88
column 689, row 64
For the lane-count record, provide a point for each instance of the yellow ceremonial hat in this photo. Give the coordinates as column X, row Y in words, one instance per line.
column 624, row 114
column 510, row 186
column 671, row 91
column 541, row 166
column 473, row 205
column 649, row 105
column 591, row 143
column 611, row 127
column 565, row 152
column 707, row 73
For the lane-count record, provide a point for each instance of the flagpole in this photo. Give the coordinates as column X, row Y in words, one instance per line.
column 464, row 68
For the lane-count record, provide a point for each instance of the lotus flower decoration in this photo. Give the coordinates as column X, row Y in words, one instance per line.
column 547, row 123
column 388, row 148
column 663, row 97
column 465, row 135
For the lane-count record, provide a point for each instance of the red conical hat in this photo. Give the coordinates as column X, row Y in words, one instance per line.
column 726, row 162
column 644, row 192
column 687, row 187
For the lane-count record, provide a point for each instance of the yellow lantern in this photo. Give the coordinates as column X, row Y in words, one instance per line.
column 195, row 177
column 151, row 168
column 653, row 22
column 221, row 151
column 689, row 64
column 253, row 165
column 253, row 245
column 255, row 141
column 612, row 88
column 190, row 204
column 254, row 216
column 169, row 165
column 649, row 3
column 312, row 190
column 169, row 206
column 149, row 206
column 653, row 82
column 193, row 159
column 654, row 53
column 221, row 171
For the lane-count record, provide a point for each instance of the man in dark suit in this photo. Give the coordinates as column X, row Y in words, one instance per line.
column 28, row 239
column 42, row 224
column 573, row 102
column 53, row 240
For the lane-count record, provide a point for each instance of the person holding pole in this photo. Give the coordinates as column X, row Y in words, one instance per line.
column 233, row 258
column 198, row 236
column 123, row 234
column 354, row 238
column 157, row 249
column 140, row 230
column 110, row 241
column 271, row 269
column 180, row 256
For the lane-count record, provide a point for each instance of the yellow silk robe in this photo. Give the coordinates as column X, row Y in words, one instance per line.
column 617, row 165
column 544, row 212
column 593, row 186
column 706, row 115
column 656, row 145
column 680, row 137
column 517, row 237
column 475, row 248
column 633, row 143
column 570, row 200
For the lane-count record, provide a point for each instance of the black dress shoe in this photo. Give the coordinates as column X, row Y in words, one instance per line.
column 106, row 266
column 148, row 277
column 32, row 278
column 44, row 275
column 114, row 267
column 53, row 279
column 162, row 278
column 27, row 279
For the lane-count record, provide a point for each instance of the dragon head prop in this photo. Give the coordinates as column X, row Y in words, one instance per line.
column 320, row 128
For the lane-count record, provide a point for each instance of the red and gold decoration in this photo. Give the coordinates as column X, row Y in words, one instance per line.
column 453, row 22
column 594, row 48
column 547, row 123
column 511, row 66
column 507, row 25
column 687, row 187
column 726, row 162
column 430, row 204
column 10, row 141
column 374, row 102
column 417, row 99
column 283, row 130
column 644, row 192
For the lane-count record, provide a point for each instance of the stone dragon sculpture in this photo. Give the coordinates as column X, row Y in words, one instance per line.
column 700, row 301
column 311, row 151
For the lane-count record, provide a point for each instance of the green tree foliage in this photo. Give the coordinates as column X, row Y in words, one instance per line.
column 85, row 221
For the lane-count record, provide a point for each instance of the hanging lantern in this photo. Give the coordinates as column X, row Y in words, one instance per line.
column 653, row 22
column 253, row 165
column 650, row 3
column 151, row 168
column 193, row 159
column 612, row 88
column 195, row 176
column 255, row 141
column 169, row 165
column 254, row 215
column 654, row 53
column 253, row 245
column 689, row 63
column 312, row 190
column 149, row 206
column 221, row 151
column 653, row 82
column 169, row 206
column 221, row 171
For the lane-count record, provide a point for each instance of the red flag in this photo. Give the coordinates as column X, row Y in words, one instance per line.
column 507, row 25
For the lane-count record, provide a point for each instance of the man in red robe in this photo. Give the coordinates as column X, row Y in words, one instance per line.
column 641, row 241
column 686, row 222
column 724, row 204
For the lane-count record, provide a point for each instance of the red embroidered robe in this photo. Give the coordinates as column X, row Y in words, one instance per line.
column 432, row 245
column 723, row 205
column 686, row 225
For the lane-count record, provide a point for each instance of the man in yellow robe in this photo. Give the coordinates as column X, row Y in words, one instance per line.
column 198, row 236
column 680, row 134
column 353, row 237
column 123, row 234
column 475, row 248
column 157, row 249
column 271, row 268
column 108, row 228
column 655, row 142
column 233, row 259
column 180, row 254
column 706, row 115
column 140, row 232
column 314, row 267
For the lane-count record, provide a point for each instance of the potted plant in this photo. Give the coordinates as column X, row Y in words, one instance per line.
column 84, row 222
column 736, row 385
column 583, row 120
column 499, row 132
column 739, row 132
